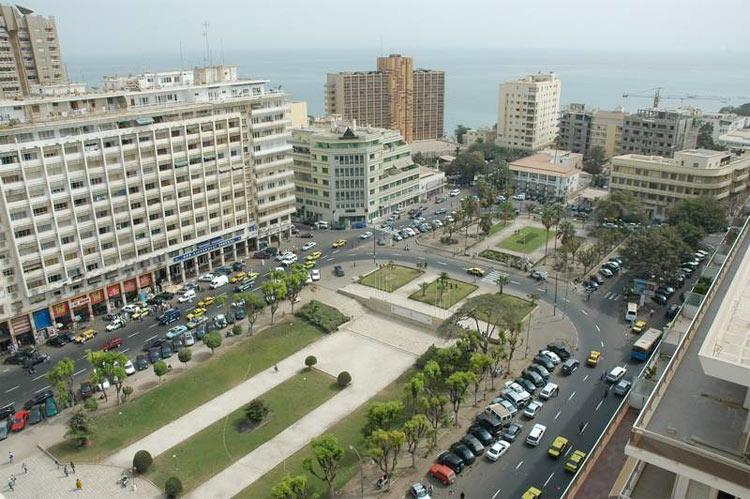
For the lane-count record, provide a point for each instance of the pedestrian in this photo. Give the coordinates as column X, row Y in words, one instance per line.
column 463, row 496
column 24, row 468
column 65, row 470
column 276, row 368
column 10, row 457
column 79, row 484
column 133, row 488
column 72, row 467
column 11, row 483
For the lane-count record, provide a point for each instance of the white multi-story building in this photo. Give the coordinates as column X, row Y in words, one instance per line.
column 347, row 174
column 103, row 195
column 724, row 123
column 547, row 175
column 528, row 112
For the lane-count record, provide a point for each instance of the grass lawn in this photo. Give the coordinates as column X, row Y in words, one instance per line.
column 390, row 278
column 454, row 292
column 199, row 384
column 348, row 431
column 497, row 228
column 492, row 306
column 210, row 451
column 526, row 240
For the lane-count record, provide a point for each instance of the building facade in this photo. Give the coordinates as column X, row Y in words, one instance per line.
column 660, row 182
column 345, row 174
column 104, row 195
column 657, row 132
column 432, row 183
column 30, row 52
column 528, row 112
column 581, row 129
column 396, row 96
column 549, row 175
column 724, row 123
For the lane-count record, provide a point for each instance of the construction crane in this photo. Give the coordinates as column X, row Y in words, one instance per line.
column 656, row 96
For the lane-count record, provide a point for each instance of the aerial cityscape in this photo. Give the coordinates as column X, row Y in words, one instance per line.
column 394, row 250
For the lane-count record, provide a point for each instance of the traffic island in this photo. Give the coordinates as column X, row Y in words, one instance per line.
column 389, row 277
column 527, row 239
column 443, row 292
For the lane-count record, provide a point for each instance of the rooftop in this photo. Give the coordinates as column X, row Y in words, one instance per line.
column 695, row 420
column 550, row 162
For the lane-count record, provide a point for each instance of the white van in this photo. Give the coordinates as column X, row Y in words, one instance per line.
column 499, row 412
column 219, row 281
column 632, row 312
column 187, row 296
column 321, row 225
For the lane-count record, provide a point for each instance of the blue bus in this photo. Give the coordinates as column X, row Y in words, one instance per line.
column 645, row 345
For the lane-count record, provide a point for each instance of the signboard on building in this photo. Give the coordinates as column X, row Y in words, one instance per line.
column 79, row 301
column 129, row 286
column 60, row 310
column 206, row 247
column 113, row 290
column 97, row 296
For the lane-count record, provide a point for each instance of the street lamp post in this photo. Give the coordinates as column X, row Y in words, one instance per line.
column 361, row 472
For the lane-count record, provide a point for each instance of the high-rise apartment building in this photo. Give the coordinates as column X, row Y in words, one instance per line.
column 30, row 53
column 660, row 182
column 528, row 112
column 658, row 132
column 103, row 195
column 582, row 129
column 347, row 174
column 396, row 96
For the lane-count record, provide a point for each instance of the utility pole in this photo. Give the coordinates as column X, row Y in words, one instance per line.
column 207, row 54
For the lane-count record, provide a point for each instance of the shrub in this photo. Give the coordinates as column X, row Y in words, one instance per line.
column 127, row 391
column 173, row 487
column 256, row 411
column 343, row 379
column 237, row 329
column 310, row 361
column 91, row 404
column 429, row 354
column 142, row 461
column 184, row 355
column 320, row 315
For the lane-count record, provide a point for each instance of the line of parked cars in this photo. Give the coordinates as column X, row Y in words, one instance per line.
column 608, row 270
column 494, row 429
column 41, row 406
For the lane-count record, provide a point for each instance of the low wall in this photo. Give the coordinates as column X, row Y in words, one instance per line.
column 390, row 309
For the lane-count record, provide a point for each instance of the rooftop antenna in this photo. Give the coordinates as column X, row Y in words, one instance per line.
column 381, row 45
column 207, row 54
column 221, row 40
column 182, row 59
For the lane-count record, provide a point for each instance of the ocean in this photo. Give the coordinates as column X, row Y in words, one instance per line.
column 595, row 78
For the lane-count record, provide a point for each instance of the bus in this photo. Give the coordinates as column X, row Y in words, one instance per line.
column 645, row 345
column 632, row 313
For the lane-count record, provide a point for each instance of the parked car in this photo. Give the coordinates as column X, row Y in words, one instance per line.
column 535, row 435
column 550, row 390
column 338, row 271
column 616, row 374
column 141, row 362
column 19, row 421
column 60, row 339
column 540, row 370
column 154, row 355
column 38, row 398
column 559, row 350
column 526, row 384
column 35, row 415
column 672, row 311
column 534, row 377
column 463, row 452
column 660, row 299
column 622, row 387
column 443, row 474
column 86, row 389
column 511, row 432
column 419, row 491
column 4, row 428
column 569, row 366
column 451, row 460
column 166, row 351
column 129, row 368
column 473, row 443
column 552, row 356
column 533, row 409
column 540, row 359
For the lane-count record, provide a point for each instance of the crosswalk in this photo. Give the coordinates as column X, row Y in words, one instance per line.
column 612, row 296
column 492, row 275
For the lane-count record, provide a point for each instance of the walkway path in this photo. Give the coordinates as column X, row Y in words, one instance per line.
column 365, row 346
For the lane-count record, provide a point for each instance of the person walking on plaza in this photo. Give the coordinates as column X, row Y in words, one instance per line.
column 25, row 468
column 72, row 466
column 79, row 484
column 11, row 483
column 10, row 457
column 65, row 470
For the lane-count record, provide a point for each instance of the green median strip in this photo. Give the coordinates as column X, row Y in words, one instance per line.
column 208, row 452
column 445, row 294
column 200, row 383
column 348, row 431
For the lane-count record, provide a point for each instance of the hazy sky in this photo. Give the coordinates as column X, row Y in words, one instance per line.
column 133, row 27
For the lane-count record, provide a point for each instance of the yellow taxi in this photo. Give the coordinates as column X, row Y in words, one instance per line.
column 238, row 277
column 558, row 447
column 476, row 271
column 310, row 264
column 140, row 314
column 532, row 493
column 251, row 276
column 639, row 326
column 85, row 336
column 575, row 460
column 593, row 359
column 206, row 302
column 313, row 256
column 196, row 312
column 339, row 243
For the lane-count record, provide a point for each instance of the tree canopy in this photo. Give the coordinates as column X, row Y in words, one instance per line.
column 703, row 212
column 655, row 252
column 620, row 205
column 742, row 110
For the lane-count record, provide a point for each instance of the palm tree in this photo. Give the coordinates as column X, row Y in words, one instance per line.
column 441, row 284
column 532, row 298
column 423, row 286
column 548, row 221
column 565, row 231
column 501, row 281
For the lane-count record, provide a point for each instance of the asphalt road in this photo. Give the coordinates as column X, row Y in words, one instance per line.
column 580, row 404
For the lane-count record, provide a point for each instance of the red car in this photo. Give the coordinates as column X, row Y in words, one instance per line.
column 19, row 420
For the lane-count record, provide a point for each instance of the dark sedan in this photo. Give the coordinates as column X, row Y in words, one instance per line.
column 511, row 432
column 548, row 364
column 452, row 461
column 463, row 452
column 481, row 434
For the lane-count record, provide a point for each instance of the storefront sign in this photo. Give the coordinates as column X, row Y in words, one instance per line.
column 79, row 301
column 97, row 296
column 61, row 310
column 205, row 248
column 145, row 280
column 21, row 324
column 129, row 286
column 113, row 290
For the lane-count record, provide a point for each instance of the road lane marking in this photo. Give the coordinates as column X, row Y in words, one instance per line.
column 335, row 251
column 602, row 343
column 149, row 339
column 585, row 377
column 557, row 415
column 541, row 290
column 11, row 389
column 82, row 358
column 443, row 263
column 519, row 465
column 42, row 389
column 515, row 282
column 597, row 328
column 39, row 377
column 548, row 479
column 125, row 350
column 599, row 405
column 153, row 326
column 572, row 395
column 585, row 425
column 584, row 312
column 570, row 449
column 328, row 259
column 79, row 372
column 495, row 494
column 134, row 334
